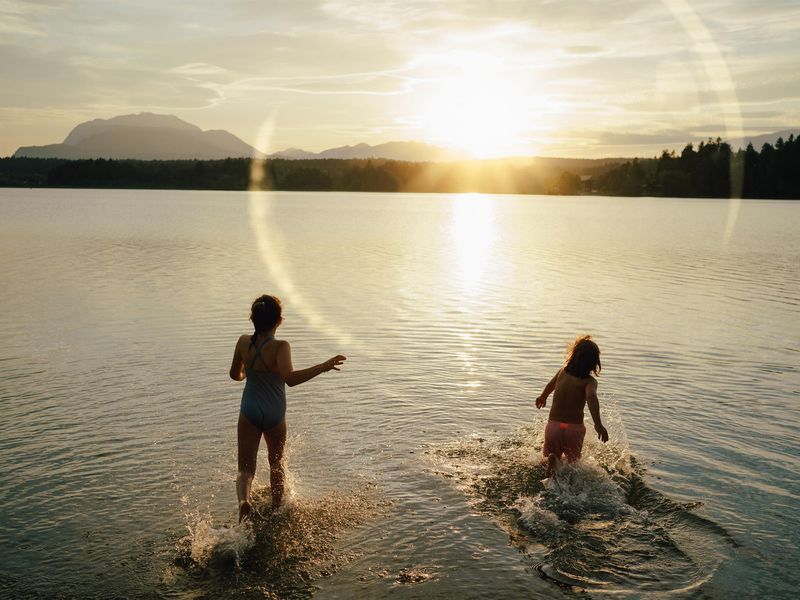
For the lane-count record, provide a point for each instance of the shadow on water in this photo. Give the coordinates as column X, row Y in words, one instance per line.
column 278, row 555
column 596, row 527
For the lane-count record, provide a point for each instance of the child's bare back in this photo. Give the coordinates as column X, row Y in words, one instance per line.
column 574, row 388
column 569, row 397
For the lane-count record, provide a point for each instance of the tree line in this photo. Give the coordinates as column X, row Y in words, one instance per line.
column 367, row 175
column 710, row 170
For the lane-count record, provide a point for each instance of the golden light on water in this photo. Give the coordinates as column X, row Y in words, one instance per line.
column 487, row 112
column 472, row 232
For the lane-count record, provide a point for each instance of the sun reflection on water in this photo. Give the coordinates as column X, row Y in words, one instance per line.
column 473, row 235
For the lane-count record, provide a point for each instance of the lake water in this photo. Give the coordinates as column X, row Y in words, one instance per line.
column 416, row 470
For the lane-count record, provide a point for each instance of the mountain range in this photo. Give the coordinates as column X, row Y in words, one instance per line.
column 148, row 136
column 760, row 140
column 409, row 151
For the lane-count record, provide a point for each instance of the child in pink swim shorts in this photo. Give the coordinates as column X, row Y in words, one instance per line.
column 574, row 388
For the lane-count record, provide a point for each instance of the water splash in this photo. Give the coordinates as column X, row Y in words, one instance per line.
column 278, row 554
column 219, row 547
column 578, row 489
column 597, row 525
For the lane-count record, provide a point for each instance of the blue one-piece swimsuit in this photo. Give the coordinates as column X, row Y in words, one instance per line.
column 264, row 395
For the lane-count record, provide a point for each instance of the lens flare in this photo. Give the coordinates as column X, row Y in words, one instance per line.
column 720, row 80
column 260, row 209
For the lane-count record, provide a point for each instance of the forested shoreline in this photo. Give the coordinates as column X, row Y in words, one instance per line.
column 712, row 169
column 516, row 176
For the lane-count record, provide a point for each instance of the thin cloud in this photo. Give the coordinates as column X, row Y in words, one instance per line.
column 196, row 69
column 369, row 84
column 337, row 68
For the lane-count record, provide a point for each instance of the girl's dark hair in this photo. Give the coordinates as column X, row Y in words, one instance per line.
column 265, row 313
column 583, row 357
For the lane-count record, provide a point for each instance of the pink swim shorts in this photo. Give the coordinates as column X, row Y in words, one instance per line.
column 564, row 438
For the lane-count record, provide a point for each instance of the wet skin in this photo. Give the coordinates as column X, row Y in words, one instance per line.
column 571, row 395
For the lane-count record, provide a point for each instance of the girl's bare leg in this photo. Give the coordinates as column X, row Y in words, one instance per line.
column 276, row 440
column 552, row 462
column 249, row 437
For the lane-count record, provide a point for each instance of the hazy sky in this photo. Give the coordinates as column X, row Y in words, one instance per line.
column 561, row 77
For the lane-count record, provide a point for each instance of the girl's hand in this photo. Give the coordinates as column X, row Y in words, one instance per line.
column 332, row 363
column 541, row 401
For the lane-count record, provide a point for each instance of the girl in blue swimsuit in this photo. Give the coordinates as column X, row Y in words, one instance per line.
column 266, row 363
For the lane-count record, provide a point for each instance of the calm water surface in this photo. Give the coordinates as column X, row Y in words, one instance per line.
column 414, row 472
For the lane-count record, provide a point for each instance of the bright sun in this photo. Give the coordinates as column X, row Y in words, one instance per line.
column 479, row 114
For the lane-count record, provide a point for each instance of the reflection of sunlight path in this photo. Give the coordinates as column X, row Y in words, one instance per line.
column 721, row 83
column 259, row 208
column 473, row 234
column 473, row 228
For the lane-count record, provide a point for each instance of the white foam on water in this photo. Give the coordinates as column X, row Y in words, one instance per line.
column 585, row 487
column 225, row 545
column 536, row 518
column 210, row 545
column 579, row 489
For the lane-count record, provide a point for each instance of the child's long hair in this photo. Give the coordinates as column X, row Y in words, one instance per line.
column 265, row 313
column 583, row 357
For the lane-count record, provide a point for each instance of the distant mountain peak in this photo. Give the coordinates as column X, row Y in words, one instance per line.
column 143, row 119
column 145, row 136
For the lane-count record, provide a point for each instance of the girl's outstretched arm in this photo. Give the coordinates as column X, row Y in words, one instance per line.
column 292, row 377
column 541, row 401
column 594, row 408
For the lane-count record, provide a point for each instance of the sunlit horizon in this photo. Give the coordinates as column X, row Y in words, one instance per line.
column 470, row 105
column 607, row 79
